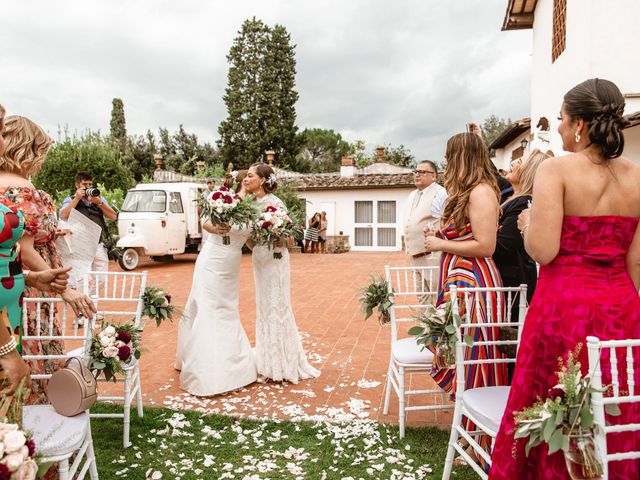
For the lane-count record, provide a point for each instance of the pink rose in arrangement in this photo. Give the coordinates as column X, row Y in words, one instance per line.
column 123, row 336
column 124, row 353
column 28, row 471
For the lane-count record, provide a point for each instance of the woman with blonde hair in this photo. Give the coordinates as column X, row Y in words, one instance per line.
column 26, row 146
column 467, row 239
column 514, row 264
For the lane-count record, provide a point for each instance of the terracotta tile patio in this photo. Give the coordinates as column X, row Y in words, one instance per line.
column 352, row 354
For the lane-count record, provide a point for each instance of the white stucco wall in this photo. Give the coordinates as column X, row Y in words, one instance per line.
column 502, row 158
column 600, row 42
column 340, row 208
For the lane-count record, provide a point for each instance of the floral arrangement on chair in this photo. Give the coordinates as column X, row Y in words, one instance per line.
column 438, row 331
column 273, row 226
column 113, row 348
column 18, row 459
column 376, row 296
column 564, row 420
column 157, row 305
column 222, row 205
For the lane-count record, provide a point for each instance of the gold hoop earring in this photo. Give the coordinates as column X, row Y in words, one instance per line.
column 577, row 137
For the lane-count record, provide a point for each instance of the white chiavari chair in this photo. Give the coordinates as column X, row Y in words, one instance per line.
column 413, row 289
column 623, row 390
column 118, row 299
column 484, row 406
column 57, row 438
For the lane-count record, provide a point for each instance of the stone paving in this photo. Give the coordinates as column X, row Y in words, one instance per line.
column 352, row 353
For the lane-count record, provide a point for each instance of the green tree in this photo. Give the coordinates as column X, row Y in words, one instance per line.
column 260, row 97
column 90, row 152
column 321, row 150
column 118, row 124
column 492, row 127
column 400, row 156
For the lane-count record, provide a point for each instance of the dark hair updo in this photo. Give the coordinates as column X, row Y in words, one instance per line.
column 600, row 103
column 265, row 171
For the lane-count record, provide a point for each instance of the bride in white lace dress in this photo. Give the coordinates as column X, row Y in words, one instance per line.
column 279, row 354
column 214, row 354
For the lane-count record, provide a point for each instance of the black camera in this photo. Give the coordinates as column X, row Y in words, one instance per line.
column 92, row 192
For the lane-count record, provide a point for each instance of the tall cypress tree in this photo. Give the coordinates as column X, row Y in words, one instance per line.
column 260, row 96
column 118, row 125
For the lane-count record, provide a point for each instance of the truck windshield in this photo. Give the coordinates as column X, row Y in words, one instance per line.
column 145, row 201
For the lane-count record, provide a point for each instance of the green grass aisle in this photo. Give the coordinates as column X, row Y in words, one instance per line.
column 187, row 445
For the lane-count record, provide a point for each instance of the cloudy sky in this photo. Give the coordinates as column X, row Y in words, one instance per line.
column 409, row 72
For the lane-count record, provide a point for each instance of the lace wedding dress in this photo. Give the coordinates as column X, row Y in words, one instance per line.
column 279, row 353
column 214, row 353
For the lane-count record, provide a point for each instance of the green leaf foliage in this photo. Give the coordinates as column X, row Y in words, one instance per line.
column 260, row 96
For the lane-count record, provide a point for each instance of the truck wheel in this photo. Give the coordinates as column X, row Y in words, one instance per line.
column 129, row 259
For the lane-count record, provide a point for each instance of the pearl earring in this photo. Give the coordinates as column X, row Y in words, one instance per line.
column 577, row 137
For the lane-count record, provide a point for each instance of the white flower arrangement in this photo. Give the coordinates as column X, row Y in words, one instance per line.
column 113, row 347
column 16, row 454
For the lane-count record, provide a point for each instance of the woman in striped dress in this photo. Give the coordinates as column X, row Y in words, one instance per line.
column 467, row 240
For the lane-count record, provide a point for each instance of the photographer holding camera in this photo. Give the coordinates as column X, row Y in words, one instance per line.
column 88, row 201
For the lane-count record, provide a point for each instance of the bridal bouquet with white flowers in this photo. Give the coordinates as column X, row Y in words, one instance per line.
column 17, row 453
column 273, row 227
column 17, row 450
column 112, row 348
column 222, row 205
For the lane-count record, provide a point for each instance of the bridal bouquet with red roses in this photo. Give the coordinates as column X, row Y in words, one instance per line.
column 273, row 227
column 222, row 205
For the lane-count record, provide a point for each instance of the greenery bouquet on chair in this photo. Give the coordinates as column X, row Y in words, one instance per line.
column 564, row 420
column 438, row 332
column 274, row 226
column 18, row 459
column 157, row 305
column 376, row 295
column 113, row 348
column 222, row 205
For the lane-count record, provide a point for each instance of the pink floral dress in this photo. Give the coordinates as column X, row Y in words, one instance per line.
column 40, row 221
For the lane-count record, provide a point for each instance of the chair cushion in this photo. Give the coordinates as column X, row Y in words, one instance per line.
column 53, row 433
column 487, row 404
column 408, row 351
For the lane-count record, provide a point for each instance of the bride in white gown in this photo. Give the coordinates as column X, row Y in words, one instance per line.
column 279, row 354
column 214, row 354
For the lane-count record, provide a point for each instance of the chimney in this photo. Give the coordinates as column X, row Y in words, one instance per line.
column 347, row 169
column 271, row 156
column 379, row 154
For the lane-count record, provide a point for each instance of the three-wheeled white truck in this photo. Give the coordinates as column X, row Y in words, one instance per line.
column 159, row 220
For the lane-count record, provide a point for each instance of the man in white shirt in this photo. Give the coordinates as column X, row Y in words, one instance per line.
column 424, row 209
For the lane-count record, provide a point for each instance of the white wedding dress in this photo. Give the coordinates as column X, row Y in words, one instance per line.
column 214, row 354
column 279, row 352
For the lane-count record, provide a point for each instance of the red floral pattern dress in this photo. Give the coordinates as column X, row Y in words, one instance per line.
column 584, row 291
column 40, row 221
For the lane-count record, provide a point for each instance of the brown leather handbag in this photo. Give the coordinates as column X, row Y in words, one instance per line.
column 72, row 389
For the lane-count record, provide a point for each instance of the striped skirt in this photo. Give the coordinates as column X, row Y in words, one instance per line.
column 311, row 234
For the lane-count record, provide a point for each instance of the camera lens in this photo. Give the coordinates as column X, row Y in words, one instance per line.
column 92, row 192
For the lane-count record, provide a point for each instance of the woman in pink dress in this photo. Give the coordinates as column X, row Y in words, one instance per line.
column 583, row 230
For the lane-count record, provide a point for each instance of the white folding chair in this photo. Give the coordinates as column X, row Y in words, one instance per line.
column 621, row 392
column 118, row 299
column 484, row 406
column 57, row 438
column 412, row 288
